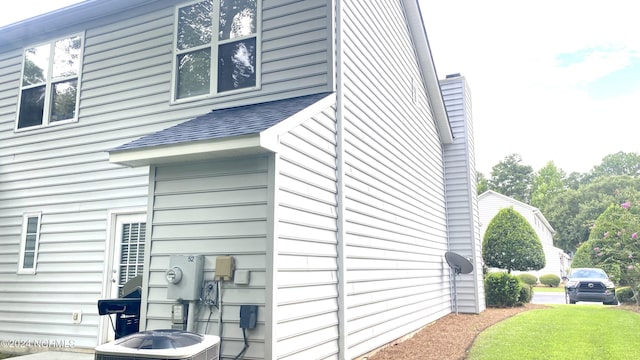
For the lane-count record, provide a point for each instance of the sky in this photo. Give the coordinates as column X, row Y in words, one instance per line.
column 24, row 9
column 550, row 80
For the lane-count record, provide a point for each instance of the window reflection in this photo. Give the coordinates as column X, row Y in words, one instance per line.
column 64, row 101
column 194, row 25
column 66, row 58
column 237, row 18
column 235, row 47
column 50, row 78
column 31, row 107
column 236, row 67
column 194, row 73
column 36, row 65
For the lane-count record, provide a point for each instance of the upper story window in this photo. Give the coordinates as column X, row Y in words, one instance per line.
column 225, row 31
column 29, row 243
column 49, row 86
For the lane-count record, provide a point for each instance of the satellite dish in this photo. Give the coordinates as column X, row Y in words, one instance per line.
column 460, row 265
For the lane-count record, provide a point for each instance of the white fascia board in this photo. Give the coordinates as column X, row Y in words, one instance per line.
column 188, row 151
column 270, row 138
column 428, row 69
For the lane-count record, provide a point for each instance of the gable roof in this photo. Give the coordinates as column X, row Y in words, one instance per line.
column 244, row 128
column 534, row 210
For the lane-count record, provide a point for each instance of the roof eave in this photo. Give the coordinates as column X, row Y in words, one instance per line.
column 191, row 151
column 428, row 69
column 84, row 12
column 149, row 150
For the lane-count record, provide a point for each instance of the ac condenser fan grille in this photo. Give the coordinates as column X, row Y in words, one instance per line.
column 161, row 345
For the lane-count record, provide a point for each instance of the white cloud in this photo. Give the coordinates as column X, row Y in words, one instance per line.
column 593, row 66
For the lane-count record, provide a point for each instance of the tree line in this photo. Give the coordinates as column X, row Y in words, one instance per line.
column 570, row 202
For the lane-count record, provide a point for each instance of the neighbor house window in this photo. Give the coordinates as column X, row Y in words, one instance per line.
column 29, row 243
column 49, row 86
column 216, row 47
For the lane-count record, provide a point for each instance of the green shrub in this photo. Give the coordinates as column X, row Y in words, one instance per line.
column 529, row 279
column 550, row 280
column 511, row 243
column 625, row 295
column 502, row 289
column 526, row 293
column 582, row 257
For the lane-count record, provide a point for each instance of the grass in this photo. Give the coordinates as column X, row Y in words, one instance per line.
column 545, row 289
column 561, row 332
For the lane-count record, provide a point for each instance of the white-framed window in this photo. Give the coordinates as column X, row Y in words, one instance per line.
column 50, row 83
column 29, row 243
column 216, row 48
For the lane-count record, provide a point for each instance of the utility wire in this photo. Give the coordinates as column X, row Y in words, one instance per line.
column 246, row 345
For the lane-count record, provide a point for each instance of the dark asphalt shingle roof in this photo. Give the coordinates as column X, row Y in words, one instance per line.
column 236, row 121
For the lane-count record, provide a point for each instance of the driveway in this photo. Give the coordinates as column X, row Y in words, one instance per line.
column 554, row 298
column 548, row 298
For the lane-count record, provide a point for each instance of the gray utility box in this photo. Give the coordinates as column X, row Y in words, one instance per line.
column 184, row 277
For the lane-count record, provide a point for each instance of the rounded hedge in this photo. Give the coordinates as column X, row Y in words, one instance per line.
column 502, row 289
column 510, row 243
column 550, row 280
column 526, row 294
column 529, row 279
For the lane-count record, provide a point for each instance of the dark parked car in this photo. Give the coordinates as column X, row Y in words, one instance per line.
column 590, row 284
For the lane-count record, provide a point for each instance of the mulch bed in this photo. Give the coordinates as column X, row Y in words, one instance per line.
column 448, row 338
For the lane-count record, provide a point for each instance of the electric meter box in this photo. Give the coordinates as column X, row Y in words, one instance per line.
column 184, row 277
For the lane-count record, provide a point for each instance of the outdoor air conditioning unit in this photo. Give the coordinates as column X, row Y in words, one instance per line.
column 161, row 344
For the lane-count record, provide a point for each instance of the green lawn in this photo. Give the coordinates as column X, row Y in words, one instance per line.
column 561, row 332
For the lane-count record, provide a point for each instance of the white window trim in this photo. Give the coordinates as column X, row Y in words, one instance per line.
column 213, row 84
column 23, row 243
column 45, row 116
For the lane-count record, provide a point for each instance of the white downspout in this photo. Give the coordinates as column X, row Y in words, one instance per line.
column 191, row 316
column 343, row 348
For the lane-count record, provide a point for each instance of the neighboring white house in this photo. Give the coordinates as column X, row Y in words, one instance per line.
column 557, row 261
column 314, row 149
